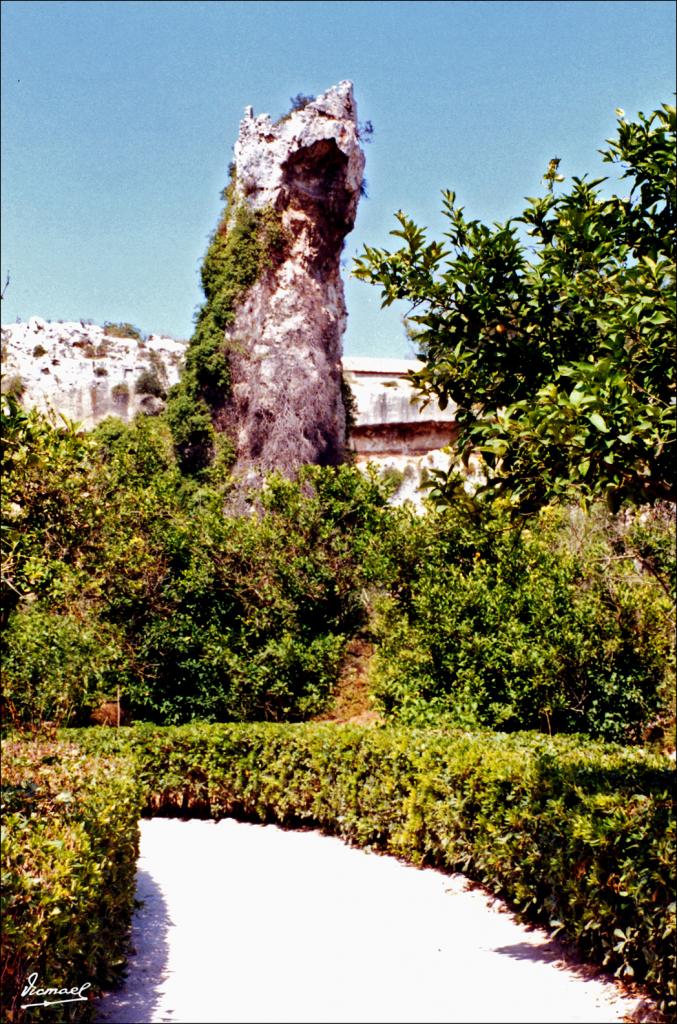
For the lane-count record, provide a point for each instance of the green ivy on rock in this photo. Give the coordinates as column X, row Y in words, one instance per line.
column 245, row 243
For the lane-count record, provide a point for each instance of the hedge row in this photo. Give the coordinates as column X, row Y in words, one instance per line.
column 575, row 834
column 69, row 850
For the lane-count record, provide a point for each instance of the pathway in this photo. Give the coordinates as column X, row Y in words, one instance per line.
column 250, row 923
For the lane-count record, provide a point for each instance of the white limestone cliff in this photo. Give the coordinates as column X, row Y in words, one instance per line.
column 78, row 370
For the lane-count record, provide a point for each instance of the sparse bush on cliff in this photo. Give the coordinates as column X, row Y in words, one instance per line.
column 365, row 131
column 85, row 347
column 300, row 101
column 148, row 383
column 350, row 406
column 393, row 476
column 123, row 330
column 12, row 386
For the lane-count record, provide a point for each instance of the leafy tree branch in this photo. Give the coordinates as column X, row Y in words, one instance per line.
column 559, row 355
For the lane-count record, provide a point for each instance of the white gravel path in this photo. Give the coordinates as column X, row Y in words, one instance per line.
column 250, row 923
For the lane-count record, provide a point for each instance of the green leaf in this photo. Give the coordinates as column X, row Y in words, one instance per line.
column 598, row 422
column 659, row 317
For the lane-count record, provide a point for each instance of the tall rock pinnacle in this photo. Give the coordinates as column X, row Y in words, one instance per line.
column 284, row 344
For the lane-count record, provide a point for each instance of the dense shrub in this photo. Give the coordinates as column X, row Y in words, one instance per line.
column 121, row 571
column 254, row 612
column 56, row 667
column 194, row 437
column 69, row 849
column 575, row 834
column 552, row 626
column 139, row 454
column 564, row 626
column 49, row 506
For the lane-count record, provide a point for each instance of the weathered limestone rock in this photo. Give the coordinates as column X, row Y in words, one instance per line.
column 390, row 417
column 78, row 370
column 284, row 346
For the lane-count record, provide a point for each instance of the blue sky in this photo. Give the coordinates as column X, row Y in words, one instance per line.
column 118, row 122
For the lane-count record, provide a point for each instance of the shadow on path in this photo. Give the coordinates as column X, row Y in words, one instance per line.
column 563, row 957
column 549, row 952
column 553, row 952
column 139, row 996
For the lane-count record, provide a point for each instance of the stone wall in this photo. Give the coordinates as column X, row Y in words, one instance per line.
column 393, row 429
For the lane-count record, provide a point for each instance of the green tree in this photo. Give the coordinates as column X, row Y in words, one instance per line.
column 557, row 349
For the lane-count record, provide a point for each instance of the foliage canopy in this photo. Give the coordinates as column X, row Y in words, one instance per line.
column 558, row 352
column 121, row 572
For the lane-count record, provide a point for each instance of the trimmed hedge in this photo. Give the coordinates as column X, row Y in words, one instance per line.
column 575, row 834
column 69, row 851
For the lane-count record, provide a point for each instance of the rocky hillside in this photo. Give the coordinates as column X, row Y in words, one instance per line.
column 86, row 372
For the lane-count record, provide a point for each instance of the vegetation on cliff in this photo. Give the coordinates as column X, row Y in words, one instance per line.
column 244, row 244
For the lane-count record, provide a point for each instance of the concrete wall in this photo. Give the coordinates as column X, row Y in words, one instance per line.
column 390, row 417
